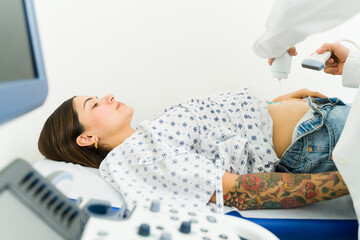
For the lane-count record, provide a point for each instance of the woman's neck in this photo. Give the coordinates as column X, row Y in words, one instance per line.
column 121, row 137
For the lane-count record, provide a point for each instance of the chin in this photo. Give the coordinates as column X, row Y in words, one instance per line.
column 129, row 111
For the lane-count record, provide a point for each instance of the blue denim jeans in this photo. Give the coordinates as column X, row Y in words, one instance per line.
column 311, row 152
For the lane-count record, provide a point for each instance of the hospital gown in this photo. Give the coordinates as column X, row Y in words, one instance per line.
column 181, row 155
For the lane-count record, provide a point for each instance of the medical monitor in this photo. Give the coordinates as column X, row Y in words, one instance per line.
column 23, row 84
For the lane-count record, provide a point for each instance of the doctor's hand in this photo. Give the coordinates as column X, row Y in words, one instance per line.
column 292, row 51
column 335, row 64
column 299, row 95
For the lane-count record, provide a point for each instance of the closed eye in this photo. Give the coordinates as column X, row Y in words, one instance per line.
column 89, row 99
column 95, row 105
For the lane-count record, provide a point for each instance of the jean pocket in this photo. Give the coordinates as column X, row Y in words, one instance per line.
column 319, row 166
column 292, row 157
column 282, row 168
column 287, row 165
column 319, row 140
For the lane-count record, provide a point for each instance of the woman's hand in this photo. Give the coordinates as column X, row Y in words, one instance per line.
column 299, row 95
column 292, row 51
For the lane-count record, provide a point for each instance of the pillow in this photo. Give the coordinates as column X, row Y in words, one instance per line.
column 86, row 183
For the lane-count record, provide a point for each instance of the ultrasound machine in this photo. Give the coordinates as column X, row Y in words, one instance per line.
column 32, row 207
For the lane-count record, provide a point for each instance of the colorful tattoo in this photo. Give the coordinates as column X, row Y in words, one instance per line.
column 284, row 190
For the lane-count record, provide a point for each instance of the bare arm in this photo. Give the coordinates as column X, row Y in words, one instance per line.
column 280, row 190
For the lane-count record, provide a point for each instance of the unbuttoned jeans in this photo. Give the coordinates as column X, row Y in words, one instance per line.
column 311, row 152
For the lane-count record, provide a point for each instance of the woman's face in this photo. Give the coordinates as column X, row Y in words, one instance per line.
column 104, row 117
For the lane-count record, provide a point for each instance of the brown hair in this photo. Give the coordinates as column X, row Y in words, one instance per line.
column 57, row 139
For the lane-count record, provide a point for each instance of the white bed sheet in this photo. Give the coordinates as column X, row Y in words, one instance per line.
column 88, row 184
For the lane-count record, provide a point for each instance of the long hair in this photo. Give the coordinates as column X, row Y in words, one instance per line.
column 57, row 139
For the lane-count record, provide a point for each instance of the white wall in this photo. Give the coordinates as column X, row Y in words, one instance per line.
column 151, row 54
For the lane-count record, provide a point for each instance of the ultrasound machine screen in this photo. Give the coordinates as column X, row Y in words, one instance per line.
column 31, row 208
column 23, row 84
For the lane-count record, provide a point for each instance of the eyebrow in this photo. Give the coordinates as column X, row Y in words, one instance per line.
column 88, row 99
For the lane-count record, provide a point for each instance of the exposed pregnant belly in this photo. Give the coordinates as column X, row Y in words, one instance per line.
column 285, row 116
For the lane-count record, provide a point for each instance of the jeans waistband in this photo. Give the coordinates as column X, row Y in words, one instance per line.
column 316, row 138
column 321, row 107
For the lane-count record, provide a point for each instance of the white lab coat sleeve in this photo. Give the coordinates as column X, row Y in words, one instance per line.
column 347, row 151
column 291, row 21
column 351, row 70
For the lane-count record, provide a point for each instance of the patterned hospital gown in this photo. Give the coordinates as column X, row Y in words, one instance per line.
column 181, row 155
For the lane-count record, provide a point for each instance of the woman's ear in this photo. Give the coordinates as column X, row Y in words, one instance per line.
column 84, row 140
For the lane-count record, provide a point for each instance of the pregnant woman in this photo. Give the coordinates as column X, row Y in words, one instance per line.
column 230, row 149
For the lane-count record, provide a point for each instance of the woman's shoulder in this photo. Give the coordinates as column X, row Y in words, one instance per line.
column 144, row 144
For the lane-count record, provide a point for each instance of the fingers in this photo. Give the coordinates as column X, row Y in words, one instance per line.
column 302, row 93
column 330, row 61
column 270, row 61
column 320, row 50
column 328, row 47
column 309, row 93
column 317, row 94
column 299, row 95
column 292, row 51
column 332, row 67
column 278, row 99
column 339, row 51
column 290, row 96
column 335, row 64
column 331, row 70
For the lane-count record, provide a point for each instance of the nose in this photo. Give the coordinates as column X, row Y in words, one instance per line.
column 110, row 98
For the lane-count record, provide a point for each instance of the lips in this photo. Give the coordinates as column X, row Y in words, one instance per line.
column 118, row 104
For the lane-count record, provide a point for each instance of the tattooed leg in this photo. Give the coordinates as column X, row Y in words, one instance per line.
column 282, row 190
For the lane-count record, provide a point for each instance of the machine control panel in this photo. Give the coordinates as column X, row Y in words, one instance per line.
column 159, row 222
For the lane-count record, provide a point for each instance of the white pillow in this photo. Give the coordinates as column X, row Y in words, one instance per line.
column 87, row 182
